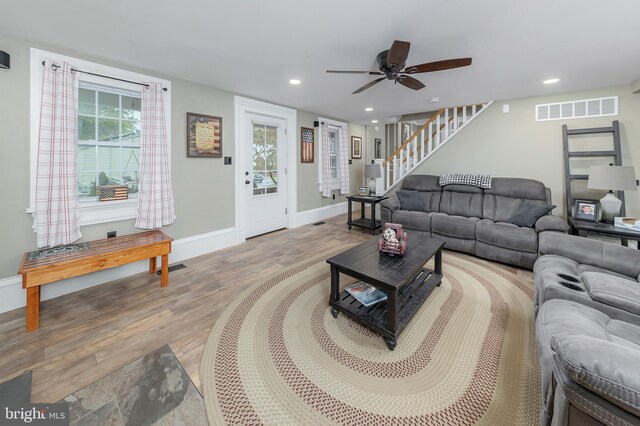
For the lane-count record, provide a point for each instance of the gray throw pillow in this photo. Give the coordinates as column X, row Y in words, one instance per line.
column 529, row 212
column 410, row 200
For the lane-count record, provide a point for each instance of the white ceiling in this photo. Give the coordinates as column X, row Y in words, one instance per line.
column 253, row 47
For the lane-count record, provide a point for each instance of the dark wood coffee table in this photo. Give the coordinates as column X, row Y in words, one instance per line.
column 405, row 280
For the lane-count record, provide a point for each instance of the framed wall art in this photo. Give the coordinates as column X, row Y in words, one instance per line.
column 306, row 144
column 377, row 148
column 356, row 147
column 204, row 136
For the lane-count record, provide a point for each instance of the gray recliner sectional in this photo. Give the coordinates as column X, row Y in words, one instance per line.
column 587, row 305
column 473, row 220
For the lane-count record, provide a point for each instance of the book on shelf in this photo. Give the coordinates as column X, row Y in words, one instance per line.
column 366, row 294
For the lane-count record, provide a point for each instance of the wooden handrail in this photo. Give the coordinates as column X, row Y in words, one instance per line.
column 425, row 125
column 431, row 120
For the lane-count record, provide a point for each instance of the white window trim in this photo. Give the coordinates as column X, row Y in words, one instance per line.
column 90, row 212
column 335, row 184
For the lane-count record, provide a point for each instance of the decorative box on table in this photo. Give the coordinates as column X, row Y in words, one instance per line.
column 112, row 192
column 393, row 240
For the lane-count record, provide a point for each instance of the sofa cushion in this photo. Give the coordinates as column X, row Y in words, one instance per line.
column 507, row 235
column 420, row 221
column 507, row 195
column 563, row 318
column 529, row 212
column 410, row 200
column 613, row 291
column 427, row 186
column 606, row 368
column 461, row 200
column 454, row 226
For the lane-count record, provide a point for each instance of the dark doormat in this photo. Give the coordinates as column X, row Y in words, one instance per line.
column 154, row 389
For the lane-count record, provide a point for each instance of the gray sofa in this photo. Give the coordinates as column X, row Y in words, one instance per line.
column 587, row 305
column 473, row 220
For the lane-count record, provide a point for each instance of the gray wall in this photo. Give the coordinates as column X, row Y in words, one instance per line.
column 203, row 188
column 309, row 196
column 515, row 145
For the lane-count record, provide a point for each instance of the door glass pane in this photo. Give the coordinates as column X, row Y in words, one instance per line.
column 265, row 159
column 272, row 137
column 272, row 159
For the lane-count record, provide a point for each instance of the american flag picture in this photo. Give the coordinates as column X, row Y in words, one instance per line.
column 306, row 146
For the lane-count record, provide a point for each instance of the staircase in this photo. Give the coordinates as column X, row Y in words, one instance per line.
column 436, row 132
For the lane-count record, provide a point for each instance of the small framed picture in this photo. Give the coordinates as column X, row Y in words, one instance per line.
column 586, row 210
column 356, row 147
column 362, row 190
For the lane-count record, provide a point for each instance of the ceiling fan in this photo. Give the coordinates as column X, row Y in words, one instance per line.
column 392, row 66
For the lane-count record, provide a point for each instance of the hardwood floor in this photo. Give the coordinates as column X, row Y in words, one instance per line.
column 83, row 336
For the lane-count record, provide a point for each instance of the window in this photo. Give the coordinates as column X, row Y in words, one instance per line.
column 578, row 109
column 338, row 155
column 109, row 129
column 109, row 132
column 334, row 153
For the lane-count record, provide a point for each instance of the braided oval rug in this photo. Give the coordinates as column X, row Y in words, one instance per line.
column 277, row 356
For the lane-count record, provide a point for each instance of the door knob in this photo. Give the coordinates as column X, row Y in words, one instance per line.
column 247, row 182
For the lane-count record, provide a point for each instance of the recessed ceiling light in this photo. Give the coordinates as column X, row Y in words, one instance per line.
column 374, row 121
column 368, row 109
column 294, row 82
column 551, row 81
column 435, row 99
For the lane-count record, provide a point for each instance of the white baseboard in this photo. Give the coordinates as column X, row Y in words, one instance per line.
column 315, row 215
column 13, row 296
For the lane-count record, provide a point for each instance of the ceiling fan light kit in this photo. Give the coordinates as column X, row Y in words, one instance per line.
column 392, row 67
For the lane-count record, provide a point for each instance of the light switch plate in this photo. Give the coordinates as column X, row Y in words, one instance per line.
column 505, row 108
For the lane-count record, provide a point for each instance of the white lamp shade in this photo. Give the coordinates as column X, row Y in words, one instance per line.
column 372, row 171
column 612, row 178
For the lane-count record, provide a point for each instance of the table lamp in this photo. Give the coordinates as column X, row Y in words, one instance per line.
column 373, row 172
column 612, row 178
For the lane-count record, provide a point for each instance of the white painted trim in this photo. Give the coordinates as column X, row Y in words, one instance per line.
column 12, row 295
column 89, row 213
column 243, row 106
column 315, row 215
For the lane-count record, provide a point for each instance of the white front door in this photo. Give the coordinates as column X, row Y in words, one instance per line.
column 265, row 175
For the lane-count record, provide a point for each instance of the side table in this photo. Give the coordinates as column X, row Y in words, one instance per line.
column 369, row 223
column 583, row 228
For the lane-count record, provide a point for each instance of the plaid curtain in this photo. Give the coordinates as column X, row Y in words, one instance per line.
column 155, row 196
column 56, row 209
column 325, row 185
column 343, row 159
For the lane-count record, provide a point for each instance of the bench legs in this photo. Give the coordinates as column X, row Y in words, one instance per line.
column 165, row 269
column 152, row 265
column 33, row 308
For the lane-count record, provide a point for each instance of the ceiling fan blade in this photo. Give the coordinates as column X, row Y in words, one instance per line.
column 398, row 53
column 411, row 83
column 355, row 72
column 438, row 65
column 371, row 83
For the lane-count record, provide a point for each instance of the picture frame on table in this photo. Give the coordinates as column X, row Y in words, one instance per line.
column 586, row 210
column 356, row 147
column 204, row 136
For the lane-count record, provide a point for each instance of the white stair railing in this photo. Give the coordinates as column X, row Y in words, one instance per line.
column 437, row 131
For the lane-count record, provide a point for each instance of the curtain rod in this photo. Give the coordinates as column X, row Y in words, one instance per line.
column 104, row 76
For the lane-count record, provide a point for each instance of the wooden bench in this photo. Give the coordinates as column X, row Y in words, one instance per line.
column 92, row 256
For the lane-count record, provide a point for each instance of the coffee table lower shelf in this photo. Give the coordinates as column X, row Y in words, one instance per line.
column 384, row 318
